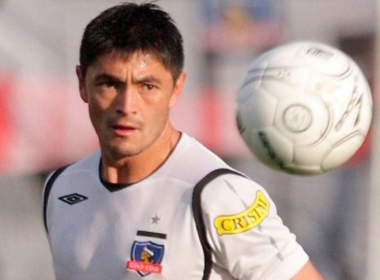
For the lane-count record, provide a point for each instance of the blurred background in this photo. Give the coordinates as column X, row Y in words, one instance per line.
column 44, row 123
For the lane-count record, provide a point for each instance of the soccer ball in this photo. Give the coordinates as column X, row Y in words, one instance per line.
column 304, row 108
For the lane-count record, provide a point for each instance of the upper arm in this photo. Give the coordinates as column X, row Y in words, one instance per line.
column 308, row 272
column 46, row 192
column 246, row 235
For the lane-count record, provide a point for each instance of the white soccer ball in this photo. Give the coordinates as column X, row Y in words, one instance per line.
column 304, row 108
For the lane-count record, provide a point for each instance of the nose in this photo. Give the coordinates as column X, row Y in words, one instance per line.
column 126, row 102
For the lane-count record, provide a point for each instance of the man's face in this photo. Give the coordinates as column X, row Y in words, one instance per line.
column 129, row 101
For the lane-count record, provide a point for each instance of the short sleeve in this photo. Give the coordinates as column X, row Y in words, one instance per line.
column 246, row 235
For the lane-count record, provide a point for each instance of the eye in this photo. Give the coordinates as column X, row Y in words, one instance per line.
column 148, row 87
column 109, row 84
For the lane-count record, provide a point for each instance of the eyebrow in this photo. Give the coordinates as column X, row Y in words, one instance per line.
column 106, row 77
column 148, row 79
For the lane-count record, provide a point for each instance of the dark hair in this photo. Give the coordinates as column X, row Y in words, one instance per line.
column 131, row 27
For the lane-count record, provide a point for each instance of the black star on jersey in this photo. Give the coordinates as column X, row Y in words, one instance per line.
column 73, row 198
column 155, row 220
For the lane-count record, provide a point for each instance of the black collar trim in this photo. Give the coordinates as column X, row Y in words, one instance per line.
column 112, row 187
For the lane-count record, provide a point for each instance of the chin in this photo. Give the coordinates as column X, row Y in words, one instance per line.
column 118, row 152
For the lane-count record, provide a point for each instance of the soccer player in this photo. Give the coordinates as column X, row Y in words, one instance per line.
column 153, row 202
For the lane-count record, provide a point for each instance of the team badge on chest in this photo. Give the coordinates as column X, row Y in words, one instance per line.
column 146, row 258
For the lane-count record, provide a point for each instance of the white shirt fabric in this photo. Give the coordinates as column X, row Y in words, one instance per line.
column 103, row 231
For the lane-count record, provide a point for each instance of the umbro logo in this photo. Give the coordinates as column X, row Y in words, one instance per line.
column 73, row 198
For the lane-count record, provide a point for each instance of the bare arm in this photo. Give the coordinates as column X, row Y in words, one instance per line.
column 308, row 272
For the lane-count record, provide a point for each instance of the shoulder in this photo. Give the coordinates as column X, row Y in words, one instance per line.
column 232, row 184
column 88, row 164
column 191, row 148
column 61, row 178
column 233, row 188
column 191, row 161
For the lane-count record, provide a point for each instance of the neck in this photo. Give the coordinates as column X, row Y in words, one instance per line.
column 134, row 169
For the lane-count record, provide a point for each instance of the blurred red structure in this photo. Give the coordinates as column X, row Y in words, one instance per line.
column 6, row 83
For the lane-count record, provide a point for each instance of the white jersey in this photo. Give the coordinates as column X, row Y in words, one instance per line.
column 167, row 226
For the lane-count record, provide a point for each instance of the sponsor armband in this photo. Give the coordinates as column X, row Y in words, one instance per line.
column 246, row 220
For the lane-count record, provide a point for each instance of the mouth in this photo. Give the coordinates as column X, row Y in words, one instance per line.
column 124, row 130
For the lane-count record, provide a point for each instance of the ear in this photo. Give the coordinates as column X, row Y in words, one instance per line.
column 82, row 84
column 178, row 87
